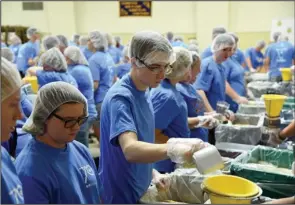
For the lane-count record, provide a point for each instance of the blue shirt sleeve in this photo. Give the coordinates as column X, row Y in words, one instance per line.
column 121, row 118
column 205, row 78
column 95, row 69
column 163, row 105
column 22, row 60
column 26, row 104
column 248, row 53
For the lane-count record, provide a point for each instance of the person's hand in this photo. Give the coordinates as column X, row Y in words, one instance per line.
column 161, row 181
column 181, row 150
column 241, row 100
column 274, row 137
column 230, row 115
column 31, row 62
column 33, row 70
column 252, row 70
column 208, row 122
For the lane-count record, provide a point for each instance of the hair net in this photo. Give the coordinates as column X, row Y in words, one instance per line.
column 10, row 79
column 83, row 40
column 146, row 45
column 125, row 52
column 193, row 47
column 76, row 37
column 195, row 56
column 15, row 40
column 218, row 30
column 117, row 39
column 283, row 37
column 31, row 31
column 182, row 63
column 170, row 35
column 260, row 43
column 109, row 39
column 50, row 97
column 222, row 41
column 98, row 40
column 7, row 54
column 63, row 40
column 54, row 59
column 194, row 41
column 50, row 42
column 74, row 53
column 234, row 36
column 178, row 38
column 276, row 35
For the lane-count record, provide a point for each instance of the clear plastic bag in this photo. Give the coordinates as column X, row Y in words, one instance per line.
column 259, row 88
column 254, row 107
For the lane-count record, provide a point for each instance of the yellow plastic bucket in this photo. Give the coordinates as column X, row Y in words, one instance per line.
column 220, row 199
column 33, row 81
column 232, row 186
column 286, row 74
column 273, row 104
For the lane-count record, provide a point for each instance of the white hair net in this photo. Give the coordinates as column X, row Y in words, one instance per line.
column 194, row 41
column 54, row 59
column 15, row 40
column 109, row 39
column 98, row 40
column 50, row 97
column 76, row 38
column 178, row 38
column 50, row 42
column 63, row 40
column 283, row 37
column 74, row 53
column 83, row 40
column 260, row 43
column 117, row 39
column 31, row 31
column 147, row 45
column 193, row 47
column 222, row 41
column 125, row 52
column 181, row 65
column 218, row 30
column 7, row 54
column 234, row 36
column 195, row 56
column 10, row 79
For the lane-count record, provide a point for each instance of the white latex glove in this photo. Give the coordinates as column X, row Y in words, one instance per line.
column 241, row 100
column 208, row 122
column 181, row 150
column 252, row 70
column 161, row 181
column 230, row 115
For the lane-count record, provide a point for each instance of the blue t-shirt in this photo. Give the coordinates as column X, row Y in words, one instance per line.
column 256, row 57
column 11, row 186
column 101, row 66
column 195, row 107
column 239, row 56
column 26, row 51
column 166, row 99
column 206, row 53
column 234, row 74
column 124, row 109
column 45, row 77
column 87, row 53
column 212, row 81
column 115, row 53
column 58, row 176
column 123, row 69
column 281, row 55
column 15, row 49
column 83, row 77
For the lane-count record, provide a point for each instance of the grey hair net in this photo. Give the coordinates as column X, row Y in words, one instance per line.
column 181, row 64
column 109, row 38
column 283, row 37
column 195, row 56
column 193, row 47
column 178, row 38
column 63, row 40
column 234, row 36
column 15, row 40
column 218, row 30
column 31, row 31
column 117, row 39
column 75, row 38
column 150, row 47
column 10, row 79
column 222, row 41
column 83, row 40
column 50, row 97
column 7, row 54
column 260, row 43
column 98, row 40
column 194, row 41
column 170, row 35
column 50, row 42
column 276, row 35
column 54, row 59
column 75, row 54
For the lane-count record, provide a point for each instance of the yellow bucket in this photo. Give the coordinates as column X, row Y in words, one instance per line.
column 220, row 199
column 33, row 81
column 231, row 186
column 286, row 74
column 273, row 104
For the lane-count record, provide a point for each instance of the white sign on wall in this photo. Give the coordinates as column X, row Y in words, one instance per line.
column 285, row 26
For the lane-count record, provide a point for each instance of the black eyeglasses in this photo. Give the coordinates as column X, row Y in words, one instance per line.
column 71, row 123
column 155, row 69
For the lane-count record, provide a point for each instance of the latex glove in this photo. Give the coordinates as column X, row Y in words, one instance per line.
column 230, row 115
column 161, row 181
column 274, row 138
column 208, row 122
column 252, row 70
column 181, row 150
column 250, row 94
column 241, row 100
